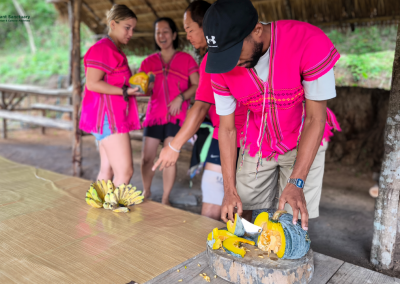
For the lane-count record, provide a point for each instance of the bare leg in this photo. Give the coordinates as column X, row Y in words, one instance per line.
column 149, row 152
column 212, row 211
column 119, row 154
column 106, row 172
column 169, row 176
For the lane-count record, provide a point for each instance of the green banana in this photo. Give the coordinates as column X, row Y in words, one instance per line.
column 121, row 209
column 98, row 189
column 88, row 195
column 93, row 203
column 94, row 194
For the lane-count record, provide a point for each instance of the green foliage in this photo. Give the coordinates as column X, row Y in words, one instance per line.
column 367, row 65
column 364, row 39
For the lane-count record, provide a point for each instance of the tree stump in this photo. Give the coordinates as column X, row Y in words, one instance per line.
column 252, row 269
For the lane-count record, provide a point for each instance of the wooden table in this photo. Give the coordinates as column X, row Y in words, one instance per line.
column 48, row 234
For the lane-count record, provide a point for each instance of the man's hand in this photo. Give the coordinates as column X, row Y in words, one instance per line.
column 167, row 158
column 295, row 197
column 229, row 204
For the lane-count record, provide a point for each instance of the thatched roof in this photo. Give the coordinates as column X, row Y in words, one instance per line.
column 323, row 13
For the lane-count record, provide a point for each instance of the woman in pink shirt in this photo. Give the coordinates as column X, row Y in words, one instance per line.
column 176, row 80
column 109, row 109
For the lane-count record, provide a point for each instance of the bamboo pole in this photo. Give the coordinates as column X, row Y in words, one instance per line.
column 386, row 206
column 76, row 87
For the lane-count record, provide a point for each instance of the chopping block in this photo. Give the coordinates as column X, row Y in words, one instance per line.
column 258, row 268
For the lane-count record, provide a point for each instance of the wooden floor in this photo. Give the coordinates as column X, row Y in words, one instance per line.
column 328, row 270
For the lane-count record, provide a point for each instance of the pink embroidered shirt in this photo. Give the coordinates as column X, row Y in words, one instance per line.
column 171, row 80
column 298, row 51
column 122, row 116
column 205, row 93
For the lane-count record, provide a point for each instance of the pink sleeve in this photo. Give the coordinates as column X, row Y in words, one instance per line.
column 204, row 91
column 101, row 56
column 320, row 55
column 144, row 67
column 219, row 85
column 192, row 65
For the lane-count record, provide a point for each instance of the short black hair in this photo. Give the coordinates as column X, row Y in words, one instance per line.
column 174, row 29
column 198, row 9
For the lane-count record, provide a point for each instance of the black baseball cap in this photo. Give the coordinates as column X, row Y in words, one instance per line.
column 226, row 24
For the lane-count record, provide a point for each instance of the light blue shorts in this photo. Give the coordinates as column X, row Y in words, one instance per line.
column 106, row 130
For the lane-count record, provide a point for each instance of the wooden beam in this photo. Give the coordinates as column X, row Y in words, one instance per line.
column 76, row 87
column 148, row 4
column 98, row 20
column 35, row 90
column 288, row 9
column 386, row 206
column 36, row 120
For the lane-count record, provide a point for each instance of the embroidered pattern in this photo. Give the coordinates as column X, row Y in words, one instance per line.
column 321, row 66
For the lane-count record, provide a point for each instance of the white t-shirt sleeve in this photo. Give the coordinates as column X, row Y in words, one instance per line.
column 224, row 105
column 321, row 89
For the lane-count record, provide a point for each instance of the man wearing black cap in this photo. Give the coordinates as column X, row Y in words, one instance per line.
column 281, row 71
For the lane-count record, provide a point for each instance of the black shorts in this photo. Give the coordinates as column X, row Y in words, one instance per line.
column 162, row 131
column 213, row 155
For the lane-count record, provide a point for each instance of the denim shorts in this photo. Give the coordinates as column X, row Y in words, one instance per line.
column 106, row 130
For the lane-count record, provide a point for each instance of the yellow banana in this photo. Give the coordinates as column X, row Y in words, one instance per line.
column 93, row 203
column 107, row 198
column 110, row 186
column 113, row 199
column 134, row 194
column 121, row 209
column 104, row 186
column 116, row 193
column 100, row 186
column 136, row 200
column 94, row 194
column 122, row 188
column 106, row 205
column 113, row 206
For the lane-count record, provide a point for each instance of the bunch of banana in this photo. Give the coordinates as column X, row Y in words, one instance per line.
column 102, row 194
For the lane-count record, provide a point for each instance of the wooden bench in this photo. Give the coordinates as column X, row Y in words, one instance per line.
column 45, row 107
column 36, row 120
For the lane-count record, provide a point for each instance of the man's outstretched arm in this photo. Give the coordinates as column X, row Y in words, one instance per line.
column 194, row 118
column 228, row 152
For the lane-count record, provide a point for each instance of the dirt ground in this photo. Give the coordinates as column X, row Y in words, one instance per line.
column 343, row 230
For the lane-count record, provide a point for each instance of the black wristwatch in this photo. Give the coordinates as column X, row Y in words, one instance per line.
column 125, row 93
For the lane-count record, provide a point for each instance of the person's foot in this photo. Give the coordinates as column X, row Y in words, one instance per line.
column 147, row 194
column 374, row 191
column 165, row 201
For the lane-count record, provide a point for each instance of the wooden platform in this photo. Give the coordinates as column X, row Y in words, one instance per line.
column 327, row 270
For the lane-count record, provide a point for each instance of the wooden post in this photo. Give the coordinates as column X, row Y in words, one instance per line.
column 4, row 128
column 43, row 128
column 386, row 206
column 76, row 87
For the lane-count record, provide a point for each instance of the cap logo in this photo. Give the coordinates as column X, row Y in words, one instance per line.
column 211, row 40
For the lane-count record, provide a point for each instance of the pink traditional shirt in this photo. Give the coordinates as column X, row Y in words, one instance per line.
column 171, row 80
column 205, row 93
column 298, row 51
column 122, row 116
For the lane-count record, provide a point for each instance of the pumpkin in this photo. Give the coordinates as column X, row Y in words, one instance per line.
column 237, row 227
column 232, row 246
column 141, row 80
column 280, row 236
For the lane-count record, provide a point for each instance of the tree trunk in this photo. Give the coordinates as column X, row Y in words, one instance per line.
column 21, row 12
column 386, row 206
column 76, row 88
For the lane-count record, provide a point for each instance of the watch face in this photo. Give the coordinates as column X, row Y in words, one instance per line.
column 300, row 183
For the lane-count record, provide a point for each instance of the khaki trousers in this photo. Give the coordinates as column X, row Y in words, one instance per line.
column 264, row 192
